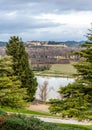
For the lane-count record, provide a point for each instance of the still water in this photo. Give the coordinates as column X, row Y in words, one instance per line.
column 53, row 86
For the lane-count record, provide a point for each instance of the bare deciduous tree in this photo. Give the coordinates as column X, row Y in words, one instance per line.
column 44, row 90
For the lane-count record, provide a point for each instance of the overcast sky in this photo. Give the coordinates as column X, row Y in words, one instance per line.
column 45, row 20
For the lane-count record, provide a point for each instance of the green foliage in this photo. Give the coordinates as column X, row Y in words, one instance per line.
column 77, row 97
column 16, row 49
column 2, row 113
column 21, row 122
column 6, row 66
column 74, row 102
column 10, row 92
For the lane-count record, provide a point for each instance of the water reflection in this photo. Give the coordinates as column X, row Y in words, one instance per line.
column 54, row 83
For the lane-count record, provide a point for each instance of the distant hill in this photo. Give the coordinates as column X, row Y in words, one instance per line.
column 68, row 43
column 2, row 43
column 73, row 43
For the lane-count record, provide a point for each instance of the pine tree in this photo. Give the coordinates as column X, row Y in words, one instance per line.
column 84, row 67
column 16, row 49
column 77, row 97
column 11, row 93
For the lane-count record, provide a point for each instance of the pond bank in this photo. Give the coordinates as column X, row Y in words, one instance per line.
column 54, row 75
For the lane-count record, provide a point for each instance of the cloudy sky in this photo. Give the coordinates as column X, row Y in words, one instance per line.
column 45, row 20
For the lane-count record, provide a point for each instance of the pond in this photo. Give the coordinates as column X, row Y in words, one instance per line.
column 48, row 87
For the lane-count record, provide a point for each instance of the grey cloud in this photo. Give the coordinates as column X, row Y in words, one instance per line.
column 38, row 6
column 22, row 23
column 24, row 20
column 52, row 36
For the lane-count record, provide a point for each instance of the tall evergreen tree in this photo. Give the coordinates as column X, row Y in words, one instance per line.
column 16, row 49
column 77, row 97
column 11, row 93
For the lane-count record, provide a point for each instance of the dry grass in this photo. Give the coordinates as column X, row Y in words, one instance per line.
column 63, row 68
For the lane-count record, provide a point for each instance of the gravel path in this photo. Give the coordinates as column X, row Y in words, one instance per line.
column 44, row 108
column 64, row 121
column 57, row 120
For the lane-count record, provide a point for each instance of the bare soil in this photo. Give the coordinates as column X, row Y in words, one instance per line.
column 39, row 108
column 44, row 108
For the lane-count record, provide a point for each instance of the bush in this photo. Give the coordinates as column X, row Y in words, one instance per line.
column 2, row 113
column 21, row 122
column 41, row 67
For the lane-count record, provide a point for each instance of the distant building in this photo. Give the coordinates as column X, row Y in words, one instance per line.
column 42, row 44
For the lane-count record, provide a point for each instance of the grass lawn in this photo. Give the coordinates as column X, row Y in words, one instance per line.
column 25, row 111
column 58, row 69
column 63, row 68
column 76, row 127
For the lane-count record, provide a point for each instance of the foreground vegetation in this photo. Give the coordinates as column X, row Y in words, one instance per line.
column 17, row 82
column 20, row 65
column 10, row 90
column 21, row 122
column 26, row 111
column 77, row 97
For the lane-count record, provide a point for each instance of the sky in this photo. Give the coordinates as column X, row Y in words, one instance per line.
column 45, row 20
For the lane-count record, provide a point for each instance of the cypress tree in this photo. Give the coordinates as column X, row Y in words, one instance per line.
column 16, row 49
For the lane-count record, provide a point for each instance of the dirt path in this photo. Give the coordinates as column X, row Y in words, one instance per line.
column 39, row 108
column 64, row 121
column 44, row 108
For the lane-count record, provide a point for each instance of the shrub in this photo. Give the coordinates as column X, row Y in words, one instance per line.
column 20, row 122
column 2, row 113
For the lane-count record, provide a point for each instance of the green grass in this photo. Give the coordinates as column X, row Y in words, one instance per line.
column 25, row 111
column 63, row 68
column 84, row 127
column 35, row 113
column 58, row 70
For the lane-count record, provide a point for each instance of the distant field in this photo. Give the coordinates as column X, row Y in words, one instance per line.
column 63, row 68
column 58, row 69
